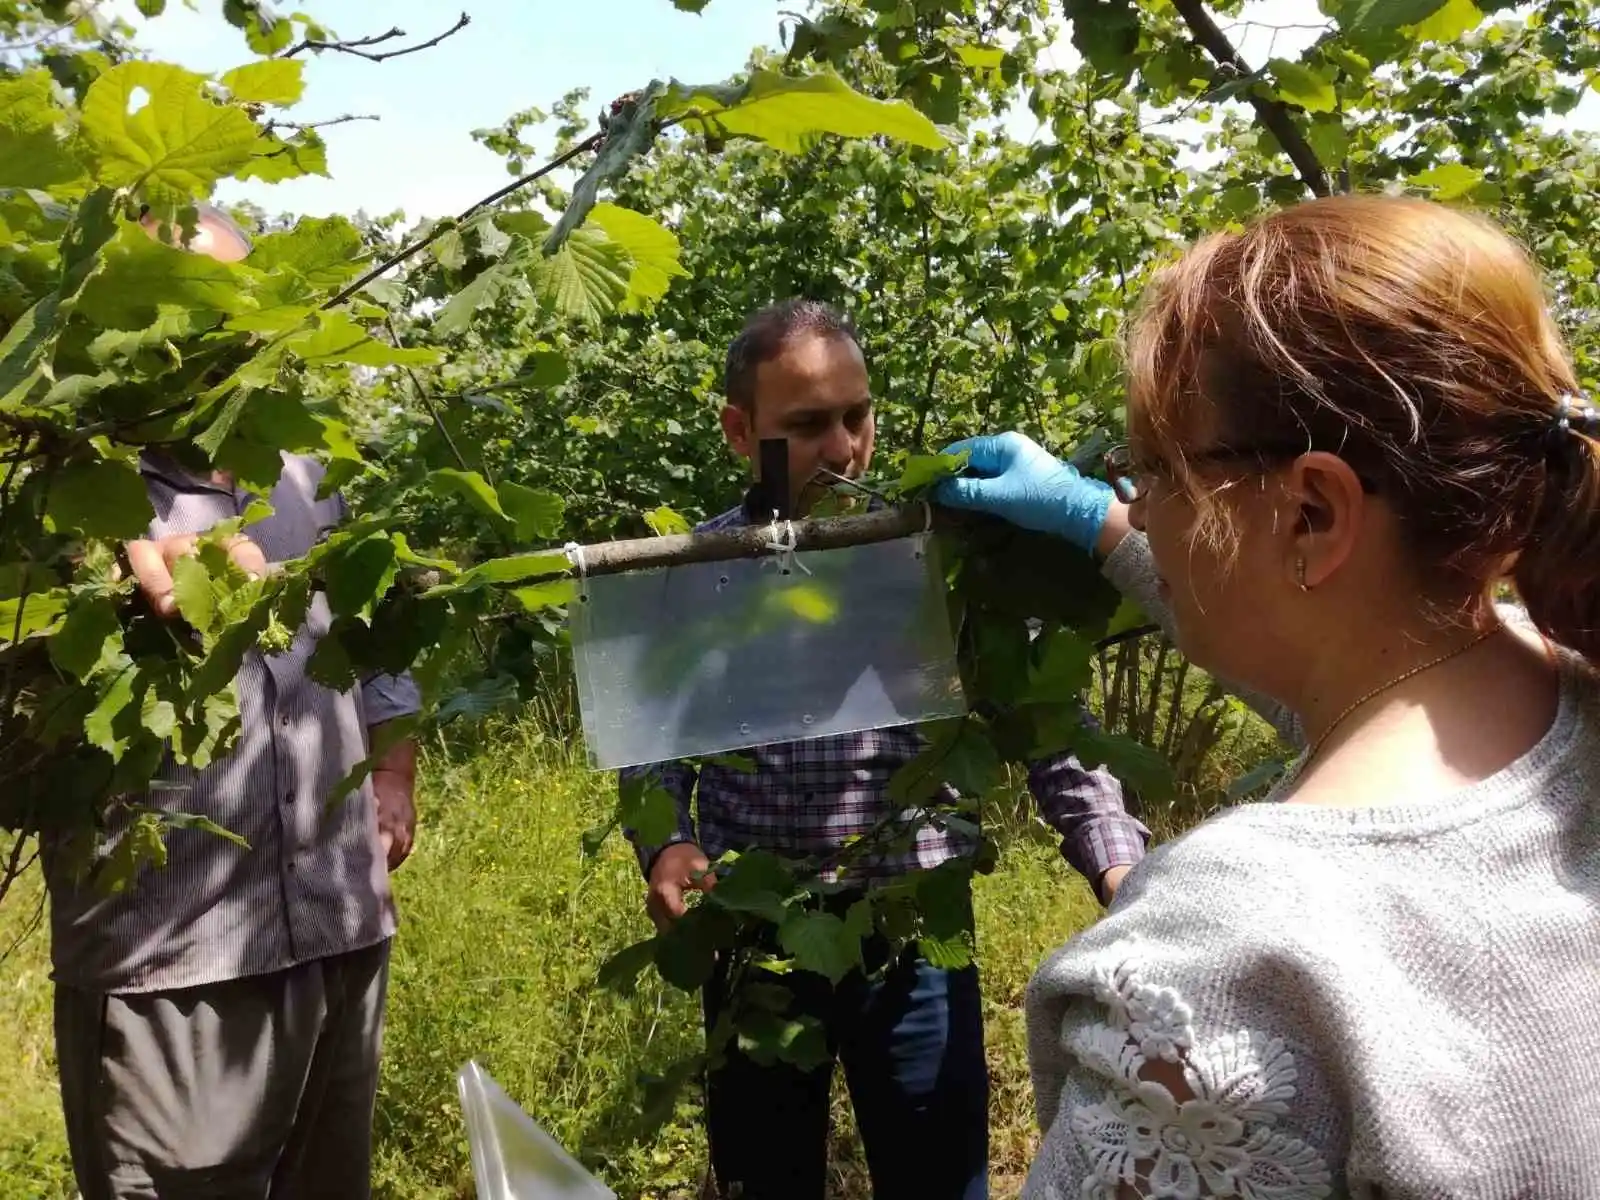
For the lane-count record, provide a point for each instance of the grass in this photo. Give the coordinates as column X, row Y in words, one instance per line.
column 504, row 924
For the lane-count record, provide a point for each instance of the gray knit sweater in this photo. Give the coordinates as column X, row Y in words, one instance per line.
column 1398, row 1001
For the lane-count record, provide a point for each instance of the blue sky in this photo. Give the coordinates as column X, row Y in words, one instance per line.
column 516, row 53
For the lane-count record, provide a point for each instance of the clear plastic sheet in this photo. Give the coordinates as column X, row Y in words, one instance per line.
column 512, row 1158
column 678, row 662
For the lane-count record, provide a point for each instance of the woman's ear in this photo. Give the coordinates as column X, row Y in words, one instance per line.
column 1329, row 508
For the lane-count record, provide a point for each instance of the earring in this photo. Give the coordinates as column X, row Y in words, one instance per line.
column 1300, row 574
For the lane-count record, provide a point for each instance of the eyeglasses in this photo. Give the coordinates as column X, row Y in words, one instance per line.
column 1131, row 480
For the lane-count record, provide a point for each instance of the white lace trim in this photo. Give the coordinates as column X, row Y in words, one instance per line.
column 1223, row 1142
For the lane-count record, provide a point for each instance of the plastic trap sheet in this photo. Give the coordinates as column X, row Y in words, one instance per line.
column 512, row 1158
column 679, row 662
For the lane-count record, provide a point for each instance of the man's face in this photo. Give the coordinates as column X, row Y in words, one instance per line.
column 815, row 393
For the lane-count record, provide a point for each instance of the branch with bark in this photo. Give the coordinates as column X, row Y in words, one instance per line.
column 359, row 46
column 1274, row 115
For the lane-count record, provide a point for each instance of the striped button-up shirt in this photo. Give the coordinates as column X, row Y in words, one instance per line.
column 311, row 884
column 808, row 798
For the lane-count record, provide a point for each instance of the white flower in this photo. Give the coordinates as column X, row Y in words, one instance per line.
column 1222, row 1142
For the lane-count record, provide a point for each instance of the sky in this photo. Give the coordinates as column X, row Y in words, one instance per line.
column 419, row 156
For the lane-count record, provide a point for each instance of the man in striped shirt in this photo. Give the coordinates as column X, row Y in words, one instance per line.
column 912, row 1043
column 218, row 1023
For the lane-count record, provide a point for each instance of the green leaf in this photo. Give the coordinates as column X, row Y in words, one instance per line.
column 1299, row 84
column 141, row 274
column 1062, row 669
column 339, row 340
column 511, row 569
column 482, row 699
column 631, row 131
column 191, row 588
column 971, row 765
column 1375, row 16
column 586, row 278
column 555, row 594
column 924, row 470
column 759, row 883
column 1329, row 140
column 323, row 251
column 90, row 633
column 664, row 522
column 270, row 81
column 768, row 1038
column 646, row 808
column 151, row 8
column 981, row 58
column 620, row 973
column 790, row 112
column 102, row 498
column 205, row 825
column 948, row 954
column 820, row 942
column 1253, row 780
column 158, row 716
column 449, row 481
column 100, row 726
column 535, row 512
column 485, row 290
column 177, row 145
column 1137, row 765
column 944, row 894
column 686, row 953
column 359, row 574
column 651, row 246
column 37, row 611
column 1106, row 33
column 1449, row 181
column 1451, row 22
column 274, row 159
column 32, row 154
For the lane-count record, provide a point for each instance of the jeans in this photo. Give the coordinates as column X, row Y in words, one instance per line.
column 912, row 1049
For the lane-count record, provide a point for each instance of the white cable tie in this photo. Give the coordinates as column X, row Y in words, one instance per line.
column 574, row 553
column 784, row 546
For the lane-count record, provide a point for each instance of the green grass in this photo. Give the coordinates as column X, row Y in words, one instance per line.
column 503, row 925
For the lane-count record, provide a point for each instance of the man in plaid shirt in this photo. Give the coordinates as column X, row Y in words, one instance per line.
column 911, row 1043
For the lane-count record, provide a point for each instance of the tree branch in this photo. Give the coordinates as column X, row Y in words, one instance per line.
column 302, row 126
column 407, row 252
column 817, row 533
column 356, row 47
column 1274, row 115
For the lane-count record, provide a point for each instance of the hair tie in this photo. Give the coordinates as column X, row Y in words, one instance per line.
column 1575, row 415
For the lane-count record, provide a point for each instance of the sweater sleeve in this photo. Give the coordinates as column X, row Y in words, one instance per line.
column 1133, row 572
column 1171, row 1050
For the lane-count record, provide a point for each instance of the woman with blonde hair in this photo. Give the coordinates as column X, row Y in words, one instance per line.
column 1349, row 425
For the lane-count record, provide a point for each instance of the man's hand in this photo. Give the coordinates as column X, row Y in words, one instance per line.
column 152, row 562
column 394, row 783
column 1111, row 880
column 672, row 875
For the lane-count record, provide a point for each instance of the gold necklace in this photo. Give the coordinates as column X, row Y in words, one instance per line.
column 1393, row 683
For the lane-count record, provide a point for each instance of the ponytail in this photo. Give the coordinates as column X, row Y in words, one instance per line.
column 1557, row 572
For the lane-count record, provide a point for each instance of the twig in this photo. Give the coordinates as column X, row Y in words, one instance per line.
column 17, row 460
column 355, row 47
column 427, row 401
column 302, row 126
column 1273, row 114
column 408, row 252
column 14, row 869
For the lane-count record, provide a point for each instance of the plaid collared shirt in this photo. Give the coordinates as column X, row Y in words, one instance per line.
column 807, row 798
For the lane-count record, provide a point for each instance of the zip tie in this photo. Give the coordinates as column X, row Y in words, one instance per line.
column 574, row 553
column 919, row 541
column 784, row 545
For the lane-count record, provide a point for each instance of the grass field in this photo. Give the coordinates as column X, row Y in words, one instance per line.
column 503, row 927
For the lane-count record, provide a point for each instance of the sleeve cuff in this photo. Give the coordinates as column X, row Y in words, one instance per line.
column 385, row 697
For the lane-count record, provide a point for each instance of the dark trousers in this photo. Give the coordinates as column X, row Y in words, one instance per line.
column 912, row 1049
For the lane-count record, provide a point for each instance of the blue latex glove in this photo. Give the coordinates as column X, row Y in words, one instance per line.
column 1013, row 477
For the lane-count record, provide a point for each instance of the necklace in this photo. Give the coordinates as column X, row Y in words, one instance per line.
column 1393, row 683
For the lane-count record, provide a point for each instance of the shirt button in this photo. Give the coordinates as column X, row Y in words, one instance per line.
column 284, row 721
